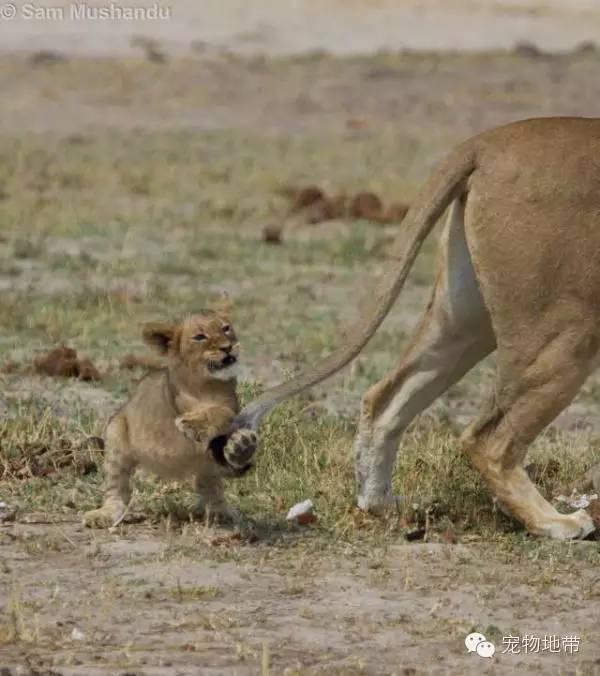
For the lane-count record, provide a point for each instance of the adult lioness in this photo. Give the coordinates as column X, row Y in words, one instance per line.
column 519, row 271
column 167, row 425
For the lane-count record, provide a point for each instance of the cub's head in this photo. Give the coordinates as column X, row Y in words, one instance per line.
column 204, row 343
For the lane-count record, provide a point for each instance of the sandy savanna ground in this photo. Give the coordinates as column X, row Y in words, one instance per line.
column 134, row 188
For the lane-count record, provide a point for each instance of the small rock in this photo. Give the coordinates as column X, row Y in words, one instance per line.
column 417, row 534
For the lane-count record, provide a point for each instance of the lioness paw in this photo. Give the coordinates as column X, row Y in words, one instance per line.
column 104, row 517
column 240, row 449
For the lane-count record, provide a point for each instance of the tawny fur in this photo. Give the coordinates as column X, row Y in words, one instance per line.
column 519, row 272
column 167, row 425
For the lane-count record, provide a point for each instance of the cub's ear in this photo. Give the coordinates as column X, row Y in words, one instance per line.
column 160, row 336
column 223, row 306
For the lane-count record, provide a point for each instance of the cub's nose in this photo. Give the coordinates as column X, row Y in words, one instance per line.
column 227, row 349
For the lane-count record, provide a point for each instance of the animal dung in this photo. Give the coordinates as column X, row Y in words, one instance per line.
column 365, row 205
column 304, row 197
column 60, row 362
column 63, row 362
column 316, row 206
column 396, row 212
column 302, row 513
column 272, row 233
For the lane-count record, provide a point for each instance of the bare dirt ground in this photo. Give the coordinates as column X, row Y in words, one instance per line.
column 134, row 188
column 150, row 601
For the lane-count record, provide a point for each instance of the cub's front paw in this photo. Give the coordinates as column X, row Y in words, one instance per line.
column 199, row 426
column 187, row 428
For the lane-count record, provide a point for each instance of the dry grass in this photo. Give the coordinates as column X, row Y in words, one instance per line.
column 49, row 464
column 103, row 228
column 103, row 231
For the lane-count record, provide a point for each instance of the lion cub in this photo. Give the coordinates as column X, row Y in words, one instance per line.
column 168, row 424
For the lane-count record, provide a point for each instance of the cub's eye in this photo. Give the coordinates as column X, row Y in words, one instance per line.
column 199, row 337
column 226, row 328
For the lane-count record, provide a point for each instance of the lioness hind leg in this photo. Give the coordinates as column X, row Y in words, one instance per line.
column 497, row 442
column 119, row 467
column 454, row 334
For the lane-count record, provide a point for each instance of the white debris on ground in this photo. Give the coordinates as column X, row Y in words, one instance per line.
column 577, row 501
column 302, row 513
column 77, row 635
column 7, row 513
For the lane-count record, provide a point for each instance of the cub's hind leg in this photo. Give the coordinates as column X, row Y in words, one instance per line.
column 119, row 467
column 212, row 503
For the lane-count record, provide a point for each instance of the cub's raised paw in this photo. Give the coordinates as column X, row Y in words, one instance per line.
column 199, row 426
column 190, row 428
column 240, row 449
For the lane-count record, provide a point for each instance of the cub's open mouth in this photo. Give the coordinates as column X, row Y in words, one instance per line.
column 229, row 360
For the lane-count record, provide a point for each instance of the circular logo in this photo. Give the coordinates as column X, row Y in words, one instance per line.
column 8, row 11
column 472, row 640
